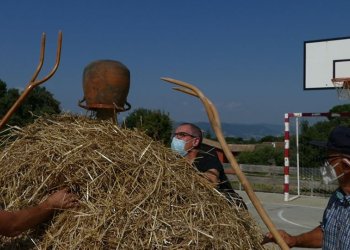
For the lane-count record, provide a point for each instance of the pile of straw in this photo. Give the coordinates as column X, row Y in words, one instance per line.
column 134, row 192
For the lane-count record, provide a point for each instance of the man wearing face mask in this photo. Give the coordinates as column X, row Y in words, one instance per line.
column 187, row 141
column 334, row 231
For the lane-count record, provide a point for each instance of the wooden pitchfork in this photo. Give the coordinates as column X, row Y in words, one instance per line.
column 216, row 125
column 33, row 81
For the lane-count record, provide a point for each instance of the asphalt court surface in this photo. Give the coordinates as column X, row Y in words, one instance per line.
column 296, row 216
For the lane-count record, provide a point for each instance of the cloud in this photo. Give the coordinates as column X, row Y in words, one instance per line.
column 229, row 106
column 185, row 103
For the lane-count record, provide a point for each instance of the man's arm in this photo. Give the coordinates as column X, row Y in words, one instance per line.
column 16, row 222
column 311, row 239
column 212, row 175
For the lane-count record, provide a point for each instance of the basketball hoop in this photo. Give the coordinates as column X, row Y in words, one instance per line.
column 342, row 85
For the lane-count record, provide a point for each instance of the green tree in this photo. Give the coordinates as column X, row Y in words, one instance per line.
column 262, row 155
column 340, row 120
column 240, row 140
column 340, row 108
column 154, row 123
column 310, row 155
column 39, row 102
column 271, row 138
column 234, row 140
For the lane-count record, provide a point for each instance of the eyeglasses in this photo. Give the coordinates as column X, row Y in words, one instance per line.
column 181, row 135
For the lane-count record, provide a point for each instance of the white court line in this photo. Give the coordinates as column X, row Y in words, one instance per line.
column 292, row 205
column 290, row 222
column 296, row 205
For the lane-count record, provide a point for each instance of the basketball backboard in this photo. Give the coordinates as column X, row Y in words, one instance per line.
column 325, row 60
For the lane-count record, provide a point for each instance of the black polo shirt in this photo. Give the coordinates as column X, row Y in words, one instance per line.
column 209, row 160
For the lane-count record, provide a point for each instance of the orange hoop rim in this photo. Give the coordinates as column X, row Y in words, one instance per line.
column 341, row 79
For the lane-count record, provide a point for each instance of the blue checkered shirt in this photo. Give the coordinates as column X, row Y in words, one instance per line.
column 336, row 222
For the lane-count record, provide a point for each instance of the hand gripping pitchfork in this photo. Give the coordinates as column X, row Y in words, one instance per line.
column 216, row 125
column 33, row 81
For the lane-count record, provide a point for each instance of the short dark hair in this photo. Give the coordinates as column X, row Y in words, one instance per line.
column 195, row 130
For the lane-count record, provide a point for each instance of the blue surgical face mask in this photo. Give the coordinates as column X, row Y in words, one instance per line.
column 178, row 146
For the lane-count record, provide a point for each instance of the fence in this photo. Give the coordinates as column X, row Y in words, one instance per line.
column 271, row 179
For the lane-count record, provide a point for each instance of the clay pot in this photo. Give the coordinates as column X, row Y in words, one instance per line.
column 106, row 85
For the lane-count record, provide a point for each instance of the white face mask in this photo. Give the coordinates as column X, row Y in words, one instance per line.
column 178, row 146
column 328, row 173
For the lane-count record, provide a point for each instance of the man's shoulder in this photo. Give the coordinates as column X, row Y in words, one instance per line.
column 204, row 156
column 208, row 160
column 336, row 196
column 207, row 154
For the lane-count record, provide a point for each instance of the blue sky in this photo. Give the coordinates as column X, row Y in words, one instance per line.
column 246, row 56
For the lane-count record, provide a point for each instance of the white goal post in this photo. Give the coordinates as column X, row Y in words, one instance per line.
column 287, row 136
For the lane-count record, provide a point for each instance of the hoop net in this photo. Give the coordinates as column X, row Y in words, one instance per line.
column 342, row 85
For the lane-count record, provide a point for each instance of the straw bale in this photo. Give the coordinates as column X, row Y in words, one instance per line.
column 134, row 192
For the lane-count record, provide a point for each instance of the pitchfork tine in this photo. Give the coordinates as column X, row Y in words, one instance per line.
column 33, row 82
column 55, row 67
column 41, row 58
column 215, row 123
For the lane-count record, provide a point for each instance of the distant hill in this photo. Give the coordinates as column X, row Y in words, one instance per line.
column 245, row 131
